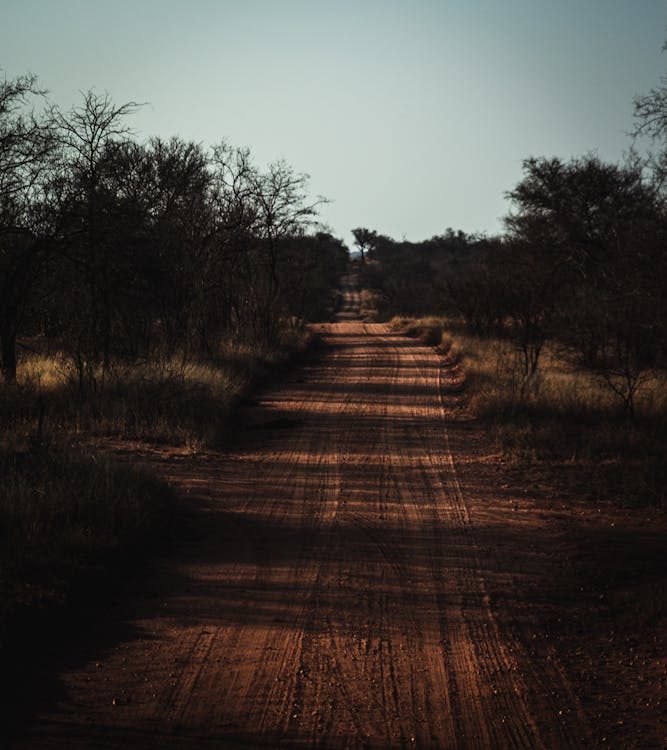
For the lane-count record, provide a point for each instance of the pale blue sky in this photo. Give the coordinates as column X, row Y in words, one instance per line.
column 410, row 116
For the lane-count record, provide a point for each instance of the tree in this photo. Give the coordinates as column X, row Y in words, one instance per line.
column 89, row 136
column 525, row 298
column 182, row 227
column 283, row 210
column 26, row 142
column 599, row 232
column 365, row 240
column 310, row 269
column 651, row 110
column 651, row 122
column 259, row 212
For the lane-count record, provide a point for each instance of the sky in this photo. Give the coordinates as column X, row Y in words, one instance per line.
column 410, row 116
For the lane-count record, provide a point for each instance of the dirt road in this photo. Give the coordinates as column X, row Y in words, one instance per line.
column 333, row 590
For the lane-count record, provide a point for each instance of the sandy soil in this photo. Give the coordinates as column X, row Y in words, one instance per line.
column 356, row 572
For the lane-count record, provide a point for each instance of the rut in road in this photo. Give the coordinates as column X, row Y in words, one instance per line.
column 334, row 595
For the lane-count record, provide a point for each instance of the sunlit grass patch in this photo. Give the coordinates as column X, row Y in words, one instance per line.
column 171, row 399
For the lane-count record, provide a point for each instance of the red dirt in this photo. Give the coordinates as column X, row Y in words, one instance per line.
column 359, row 571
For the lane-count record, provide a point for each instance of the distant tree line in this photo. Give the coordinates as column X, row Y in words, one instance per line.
column 582, row 263
column 119, row 249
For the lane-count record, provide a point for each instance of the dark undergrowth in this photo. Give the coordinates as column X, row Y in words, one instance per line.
column 70, row 522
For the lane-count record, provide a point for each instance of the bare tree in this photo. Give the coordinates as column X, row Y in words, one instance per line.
column 87, row 134
column 283, row 211
column 26, row 141
column 259, row 211
column 651, row 110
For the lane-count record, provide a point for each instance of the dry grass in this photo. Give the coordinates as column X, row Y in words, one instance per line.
column 170, row 400
column 161, row 402
column 566, row 414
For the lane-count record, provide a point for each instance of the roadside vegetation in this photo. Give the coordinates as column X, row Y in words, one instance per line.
column 560, row 322
column 568, row 417
column 145, row 287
